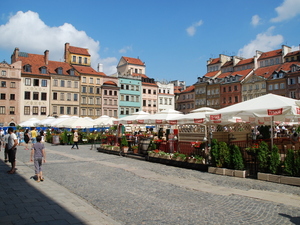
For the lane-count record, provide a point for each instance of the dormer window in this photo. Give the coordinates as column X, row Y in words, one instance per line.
column 43, row 70
column 27, row 68
column 74, row 58
column 79, row 60
column 280, row 75
column 59, row 70
column 85, row 60
column 71, row 72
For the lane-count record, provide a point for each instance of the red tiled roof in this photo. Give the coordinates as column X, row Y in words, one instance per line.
column 79, row 51
column 266, row 71
column 270, row 54
column 110, row 83
column 292, row 53
column 189, row 89
column 211, row 74
column 287, row 66
column 242, row 72
column 133, row 61
column 149, row 84
column 228, row 63
column 87, row 70
column 214, row 61
column 38, row 61
column 245, row 61
column 222, row 75
column 176, row 91
column 139, row 75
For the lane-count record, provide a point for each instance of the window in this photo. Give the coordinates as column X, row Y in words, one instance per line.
column 91, row 101
column 282, row 86
column 69, row 84
column 91, row 80
column 83, row 112
column 74, row 58
column 12, row 97
column 3, row 72
column 83, row 100
column 62, row 96
column 68, row 110
column 54, row 109
column 236, row 99
column 72, row 73
column 27, row 95
column 3, row 83
column 43, row 110
column 54, row 95
column 292, row 81
column 149, row 91
column 2, row 110
column 35, row 110
column 76, row 97
column 270, row 87
column 12, row 110
column 44, row 70
column 68, row 96
column 62, row 110
column 144, row 102
column 75, row 110
column 91, row 90
column 83, row 79
column 110, row 93
column 80, row 59
column 44, row 83
column 149, row 103
column 27, row 68
column 27, row 81
column 97, row 90
column 62, row 83
column 59, row 71
column 83, row 89
column 35, row 96
column 2, row 96
column 12, row 84
column 98, row 102
column 276, row 86
column 98, row 81
column 26, row 110
column 55, row 83
column 292, row 94
column 76, row 84
column 36, row 82
column 105, row 92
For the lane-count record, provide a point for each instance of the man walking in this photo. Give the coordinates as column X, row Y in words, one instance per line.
column 12, row 142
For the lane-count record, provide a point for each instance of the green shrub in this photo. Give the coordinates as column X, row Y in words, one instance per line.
column 236, row 161
column 289, row 163
column 224, row 155
column 214, row 152
column 263, row 157
column 274, row 160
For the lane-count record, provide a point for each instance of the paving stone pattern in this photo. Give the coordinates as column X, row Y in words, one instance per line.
column 133, row 191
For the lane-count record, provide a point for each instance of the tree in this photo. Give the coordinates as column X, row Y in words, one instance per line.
column 236, row 158
column 263, row 157
column 274, row 160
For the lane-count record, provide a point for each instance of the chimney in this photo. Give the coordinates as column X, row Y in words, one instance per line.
column 46, row 56
column 15, row 55
column 67, row 45
column 100, row 67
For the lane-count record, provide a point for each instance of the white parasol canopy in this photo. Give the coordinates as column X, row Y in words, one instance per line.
column 165, row 116
column 47, row 121
column 139, row 117
column 104, row 120
column 197, row 116
column 59, row 119
column 32, row 122
column 74, row 122
column 261, row 110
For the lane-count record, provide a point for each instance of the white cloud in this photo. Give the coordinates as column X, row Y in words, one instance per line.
column 125, row 49
column 287, row 10
column 109, row 65
column 29, row 33
column 264, row 42
column 192, row 29
column 255, row 20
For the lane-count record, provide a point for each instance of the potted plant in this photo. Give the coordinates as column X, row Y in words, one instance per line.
column 124, row 144
column 135, row 149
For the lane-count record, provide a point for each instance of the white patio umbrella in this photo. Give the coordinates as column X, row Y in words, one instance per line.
column 32, row 122
column 76, row 123
column 59, row 119
column 105, row 120
column 47, row 121
column 165, row 116
column 197, row 116
column 261, row 110
column 139, row 117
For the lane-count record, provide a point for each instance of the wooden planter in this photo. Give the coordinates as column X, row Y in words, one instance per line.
column 228, row 172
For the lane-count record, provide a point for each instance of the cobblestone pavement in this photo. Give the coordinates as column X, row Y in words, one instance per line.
column 133, row 191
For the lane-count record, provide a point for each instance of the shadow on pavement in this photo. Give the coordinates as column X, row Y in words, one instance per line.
column 22, row 203
column 294, row 220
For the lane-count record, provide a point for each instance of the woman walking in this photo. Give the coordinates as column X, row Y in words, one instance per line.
column 39, row 155
column 75, row 139
column 26, row 139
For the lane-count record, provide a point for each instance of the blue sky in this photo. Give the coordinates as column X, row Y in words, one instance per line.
column 174, row 38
